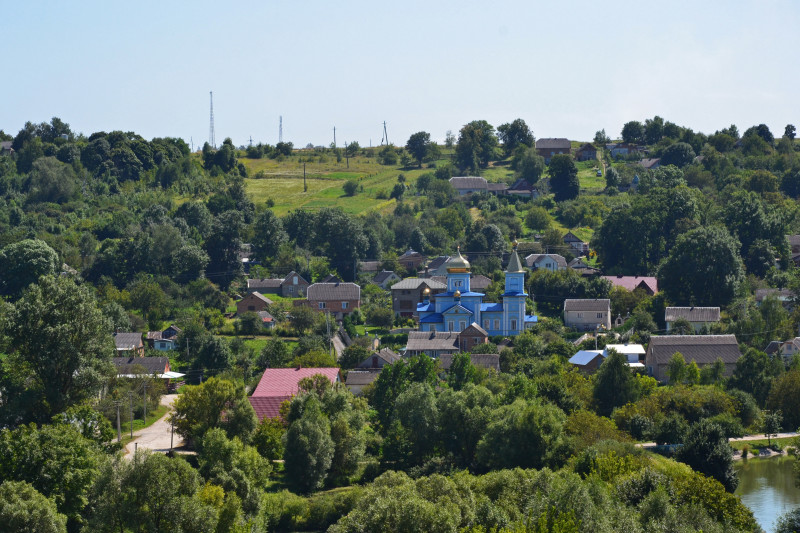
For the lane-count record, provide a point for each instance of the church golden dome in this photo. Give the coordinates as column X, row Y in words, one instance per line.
column 457, row 294
column 458, row 264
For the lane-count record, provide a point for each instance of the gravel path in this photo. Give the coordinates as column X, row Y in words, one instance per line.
column 739, row 439
column 157, row 436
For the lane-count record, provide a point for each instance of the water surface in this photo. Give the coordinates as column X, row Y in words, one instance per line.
column 767, row 487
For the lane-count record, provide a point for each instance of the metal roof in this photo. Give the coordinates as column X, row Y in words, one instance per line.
column 587, row 305
column 692, row 314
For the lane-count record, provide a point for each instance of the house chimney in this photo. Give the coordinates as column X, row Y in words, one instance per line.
column 299, row 367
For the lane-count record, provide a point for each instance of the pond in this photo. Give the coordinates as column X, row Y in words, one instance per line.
column 767, row 487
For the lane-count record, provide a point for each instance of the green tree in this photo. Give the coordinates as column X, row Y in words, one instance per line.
column 23, row 263
column 274, row 354
column 514, row 134
column 790, row 131
column 223, row 246
column 523, row 434
column 708, row 250
column 633, row 132
column 350, row 187
column 676, row 369
column 678, row 154
column 268, row 438
column 412, row 436
column 302, row 318
column 461, row 372
column 538, row 219
column 614, row 384
column 564, row 177
column 418, row 146
column 50, row 180
column 772, row 425
column 529, row 165
column 308, row 450
column 600, row 138
column 707, row 451
column 612, row 178
column 754, row 373
column 353, row 355
column 268, row 235
column 784, row 397
column 56, row 460
column 23, row 509
column 341, row 238
column 214, row 403
column 477, row 145
column 789, row 522
column 188, row 263
column 60, row 350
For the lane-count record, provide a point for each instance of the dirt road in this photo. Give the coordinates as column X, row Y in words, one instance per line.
column 157, row 436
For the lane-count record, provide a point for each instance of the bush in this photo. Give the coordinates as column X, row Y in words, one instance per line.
column 350, row 187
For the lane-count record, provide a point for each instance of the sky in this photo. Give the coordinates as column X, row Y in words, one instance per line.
column 568, row 68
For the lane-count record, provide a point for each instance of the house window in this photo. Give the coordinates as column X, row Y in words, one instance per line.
column 291, row 290
column 294, row 280
column 322, row 305
column 251, row 307
column 496, row 323
column 344, row 305
column 579, row 315
column 513, row 324
column 599, row 315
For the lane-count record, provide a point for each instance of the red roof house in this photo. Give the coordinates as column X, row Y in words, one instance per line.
column 648, row 283
column 279, row 384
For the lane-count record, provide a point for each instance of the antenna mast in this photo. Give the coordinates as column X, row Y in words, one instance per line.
column 280, row 129
column 386, row 135
column 211, row 140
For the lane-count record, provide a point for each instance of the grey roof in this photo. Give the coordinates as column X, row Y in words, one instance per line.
column 692, row 314
column 651, row 162
column 780, row 294
column 410, row 253
column 469, row 182
column 532, row 259
column 587, row 305
column 369, row 266
column 514, row 264
column 255, row 284
column 386, row 354
column 587, row 146
column 330, row 278
column 702, row 349
column 438, row 261
column 382, row 276
column 151, row 365
column 571, row 237
column 477, row 328
column 420, row 341
column 794, row 241
column 553, row 143
column 333, row 291
column 414, row 283
column 497, row 186
column 5, row 145
column 482, row 360
column 584, row 357
column 361, row 377
column 128, row 341
column 773, row 347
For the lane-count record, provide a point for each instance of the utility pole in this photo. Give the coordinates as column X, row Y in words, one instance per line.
column 386, row 135
column 346, row 155
column 171, row 433
column 130, row 397
column 145, row 402
column 119, row 426
column 334, row 136
column 211, row 140
column 305, row 186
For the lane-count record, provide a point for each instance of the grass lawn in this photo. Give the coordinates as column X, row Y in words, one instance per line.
column 755, row 445
column 138, row 424
column 587, row 174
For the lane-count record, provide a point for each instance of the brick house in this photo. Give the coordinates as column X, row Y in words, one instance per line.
column 253, row 302
column 291, row 286
column 411, row 260
column 336, row 298
column 586, row 314
column 406, row 294
column 587, row 152
column 547, row 148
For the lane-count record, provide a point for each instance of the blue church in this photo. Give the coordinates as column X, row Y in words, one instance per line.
column 459, row 307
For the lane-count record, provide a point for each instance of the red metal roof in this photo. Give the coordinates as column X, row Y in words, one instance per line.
column 280, row 384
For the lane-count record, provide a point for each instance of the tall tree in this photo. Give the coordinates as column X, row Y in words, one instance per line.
column 529, row 164
column 515, row 134
column 268, row 235
column 61, row 350
column 477, row 145
column 22, row 263
column 678, row 154
column 707, row 451
column 633, row 132
column 23, row 509
column 564, row 177
column 418, row 145
column 223, row 247
column 614, row 384
column 703, row 267
column 790, row 131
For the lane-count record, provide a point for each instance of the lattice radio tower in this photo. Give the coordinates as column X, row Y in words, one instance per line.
column 211, row 140
column 280, row 129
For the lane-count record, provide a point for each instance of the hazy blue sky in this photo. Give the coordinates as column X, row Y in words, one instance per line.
column 567, row 68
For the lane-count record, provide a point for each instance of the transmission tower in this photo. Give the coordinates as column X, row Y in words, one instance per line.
column 211, row 140
column 385, row 135
column 280, row 129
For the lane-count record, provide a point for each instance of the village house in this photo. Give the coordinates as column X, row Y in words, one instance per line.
column 784, row 296
column 469, row 184
column 385, row 278
column 587, row 315
column 358, row 379
column 578, row 245
column 587, row 152
column 437, row 266
column 621, row 149
column 337, row 298
column 253, row 302
column 133, row 366
column 129, row 344
column 523, row 189
column 587, row 361
column 278, row 385
column 379, row 359
column 698, row 317
column 410, row 292
column 438, row 343
column 291, row 286
column 702, row 349
column 164, row 341
column 581, row 266
column 651, row 163
column 547, row 148
column 648, row 284
column 411, row 260
column 551, row 262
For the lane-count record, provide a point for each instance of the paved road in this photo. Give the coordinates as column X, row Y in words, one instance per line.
column 738, row 439
column 157, row 436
